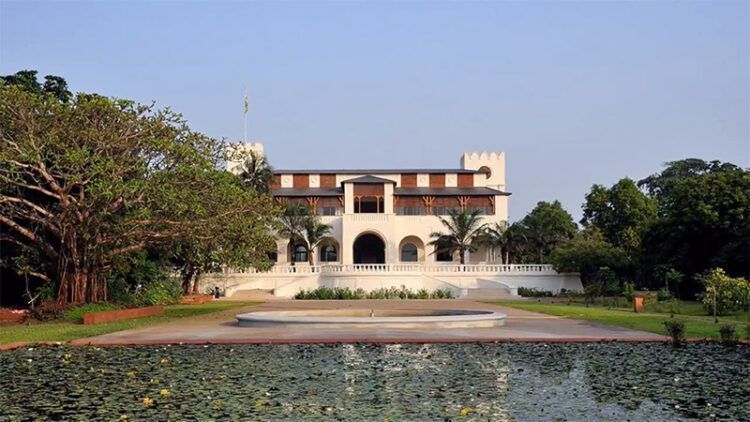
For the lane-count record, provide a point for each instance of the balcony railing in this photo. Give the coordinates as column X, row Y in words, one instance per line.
column 403, row 268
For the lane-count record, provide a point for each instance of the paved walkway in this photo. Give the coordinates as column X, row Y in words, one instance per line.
column 222, row 328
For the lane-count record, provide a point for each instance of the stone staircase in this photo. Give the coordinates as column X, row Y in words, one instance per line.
column 253, row 295
column 490, row 294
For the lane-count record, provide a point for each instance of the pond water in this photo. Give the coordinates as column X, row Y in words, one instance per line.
column 378, row 382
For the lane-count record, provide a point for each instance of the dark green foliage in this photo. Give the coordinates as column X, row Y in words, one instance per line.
column 76, row 313
column 89, row 181
column 543, row 229
column 339, row 293
column 533, row 292
column 587, row 253
column 628, row 290
column 729, row 335
column 462, row 228
column 724, row 295
column 256, row 173
column 703, row 210
column 26, row 80
column 663, row 295
column 676, row 330
column 164, row 291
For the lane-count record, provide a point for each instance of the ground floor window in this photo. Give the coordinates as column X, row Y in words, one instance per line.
column 409, row 253
column 443, row 251
column 273, row 256
column 328, row 253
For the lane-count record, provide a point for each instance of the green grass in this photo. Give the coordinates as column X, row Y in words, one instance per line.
column 697, row 325
column 66, row 330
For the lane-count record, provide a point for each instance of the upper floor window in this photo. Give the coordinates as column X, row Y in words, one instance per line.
column 329, row 210
column 369, row 205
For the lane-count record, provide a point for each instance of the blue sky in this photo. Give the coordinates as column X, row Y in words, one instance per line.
column 574, row 93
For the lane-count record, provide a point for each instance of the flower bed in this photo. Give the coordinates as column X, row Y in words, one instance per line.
column 109, row 316
column 13, row 315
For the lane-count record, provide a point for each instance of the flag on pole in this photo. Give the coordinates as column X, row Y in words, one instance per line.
column 246, row 103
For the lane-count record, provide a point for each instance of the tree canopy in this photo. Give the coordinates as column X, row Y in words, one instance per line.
column 547, row 226
column 85, row 181
column 26, row 80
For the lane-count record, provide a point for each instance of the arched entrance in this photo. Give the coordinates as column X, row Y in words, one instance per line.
column 369, row 249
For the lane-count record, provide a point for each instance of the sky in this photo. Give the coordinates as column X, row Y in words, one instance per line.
column 573, row 93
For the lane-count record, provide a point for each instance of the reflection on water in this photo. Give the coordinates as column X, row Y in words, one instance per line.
column 425, row 382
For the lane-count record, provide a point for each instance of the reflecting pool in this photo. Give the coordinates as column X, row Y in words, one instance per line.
column 612, row 381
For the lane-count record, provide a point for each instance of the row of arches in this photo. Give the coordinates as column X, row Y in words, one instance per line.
column 368, row 248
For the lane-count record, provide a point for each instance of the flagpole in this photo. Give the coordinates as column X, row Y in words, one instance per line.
column 245, row 118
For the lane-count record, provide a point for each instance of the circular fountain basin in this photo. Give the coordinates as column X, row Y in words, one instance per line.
column 374, row 318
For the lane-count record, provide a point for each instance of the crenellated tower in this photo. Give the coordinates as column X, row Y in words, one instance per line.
column 490, row 164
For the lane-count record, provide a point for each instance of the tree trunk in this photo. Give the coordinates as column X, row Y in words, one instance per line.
column 196, row 275
column 462, row 255
column 186, row 278
column 310, row 257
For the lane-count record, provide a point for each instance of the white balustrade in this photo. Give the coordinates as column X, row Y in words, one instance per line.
column 403, row 268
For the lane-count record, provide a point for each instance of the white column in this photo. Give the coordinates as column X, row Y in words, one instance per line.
column 388, row 198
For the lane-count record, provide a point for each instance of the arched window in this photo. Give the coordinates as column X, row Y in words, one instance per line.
column 300, row 253
column 273, row 256
column 443, row 251
column 409, row 253
column 328, row 254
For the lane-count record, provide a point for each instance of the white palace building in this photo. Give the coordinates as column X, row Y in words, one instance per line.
column 382, row 220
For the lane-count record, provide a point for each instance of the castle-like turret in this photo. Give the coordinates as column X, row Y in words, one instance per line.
column 490, row 164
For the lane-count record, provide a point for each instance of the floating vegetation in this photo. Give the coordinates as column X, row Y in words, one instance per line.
column 613, row 381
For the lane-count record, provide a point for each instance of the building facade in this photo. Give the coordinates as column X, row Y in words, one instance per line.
column 382, row 221
column 384, row 216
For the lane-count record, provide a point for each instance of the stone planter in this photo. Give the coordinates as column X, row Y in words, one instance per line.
column 109, row 316
column 13, row 315
column 196, row 300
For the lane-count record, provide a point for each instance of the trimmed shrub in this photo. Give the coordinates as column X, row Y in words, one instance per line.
column 675, row 329
column 663, row 295
column 533, row 292
column 76, row 314
column 345, row 293
column 165, row 291
column 628, row 290
column 47, row 311
column 728, row 334
column 727, row 294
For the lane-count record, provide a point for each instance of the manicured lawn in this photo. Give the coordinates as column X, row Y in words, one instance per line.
column 696, row 326
column 66, row 331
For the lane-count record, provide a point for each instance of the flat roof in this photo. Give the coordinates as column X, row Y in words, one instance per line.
column 373, row 171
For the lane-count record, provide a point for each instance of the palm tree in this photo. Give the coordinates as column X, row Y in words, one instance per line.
column 256, row 173
column 300, row 226
column 463, row 227
column 315, row 234
column 496, row 236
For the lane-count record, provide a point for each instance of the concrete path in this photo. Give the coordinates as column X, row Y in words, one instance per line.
column 221, row 327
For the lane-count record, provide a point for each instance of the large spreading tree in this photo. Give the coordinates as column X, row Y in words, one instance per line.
column 87, row 180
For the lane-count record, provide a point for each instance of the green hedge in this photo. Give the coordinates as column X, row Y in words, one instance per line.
column 345, row 293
